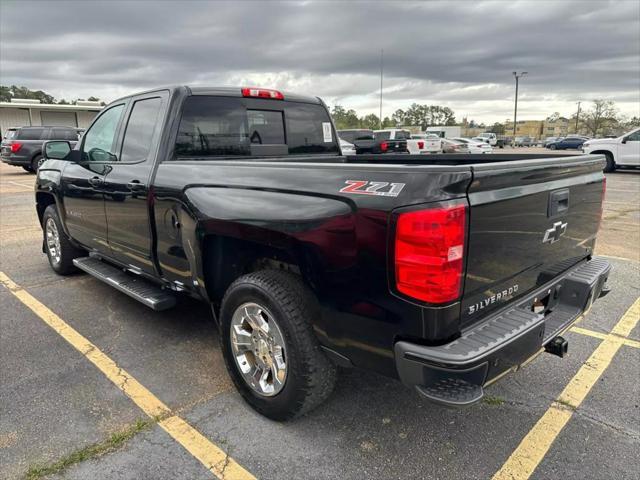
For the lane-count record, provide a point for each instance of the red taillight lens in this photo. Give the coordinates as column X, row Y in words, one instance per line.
column 262, row 93
column 15, row 147
column 384, row 146
column 429, row 250
column 420, row 145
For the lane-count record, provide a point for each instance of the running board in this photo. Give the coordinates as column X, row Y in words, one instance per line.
column 138, row 288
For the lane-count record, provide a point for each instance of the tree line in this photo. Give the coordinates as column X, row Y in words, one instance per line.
column 7, row 93
column 416, row 115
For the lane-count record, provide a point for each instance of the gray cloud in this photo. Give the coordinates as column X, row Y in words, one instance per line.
column 460, row 54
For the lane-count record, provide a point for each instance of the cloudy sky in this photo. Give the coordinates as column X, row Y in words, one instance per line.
column 459, row 54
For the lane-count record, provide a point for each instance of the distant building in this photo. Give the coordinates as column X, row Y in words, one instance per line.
column 525, row 128
column 24, row 112
column 556, row 128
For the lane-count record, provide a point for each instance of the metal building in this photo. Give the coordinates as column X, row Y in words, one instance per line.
column 23, row 112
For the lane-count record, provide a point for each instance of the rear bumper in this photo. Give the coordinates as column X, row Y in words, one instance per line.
column 17, row 161
column 455, row 373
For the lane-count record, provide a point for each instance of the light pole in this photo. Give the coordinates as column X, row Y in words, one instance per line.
column 577, row 117
column 515, row 109
column 381, row 65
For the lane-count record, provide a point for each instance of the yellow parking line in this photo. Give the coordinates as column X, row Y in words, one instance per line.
column 526, row 458
column 210, row 455
column 604, row 336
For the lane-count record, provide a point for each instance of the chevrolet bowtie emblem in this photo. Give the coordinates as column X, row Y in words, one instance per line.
column 554, row 233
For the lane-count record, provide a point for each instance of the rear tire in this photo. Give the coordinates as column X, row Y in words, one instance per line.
column 553, row 147
column 27, row 169
column 611, row 164
column 59, row 249
column 285, row 300
column 36, row 162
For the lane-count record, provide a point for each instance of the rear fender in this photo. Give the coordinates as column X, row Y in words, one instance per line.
column 235, row 229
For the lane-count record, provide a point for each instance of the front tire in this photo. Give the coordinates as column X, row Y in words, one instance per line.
column 611, row 164
column 269, row 347
column 553, row 147
column 59, row 249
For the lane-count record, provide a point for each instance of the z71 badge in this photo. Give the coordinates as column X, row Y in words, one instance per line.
column 365, row 187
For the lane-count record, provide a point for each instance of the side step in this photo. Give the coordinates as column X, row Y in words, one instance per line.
column 452, row 392
column 136, row 287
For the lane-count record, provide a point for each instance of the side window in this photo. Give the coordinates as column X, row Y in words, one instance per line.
column 99, row 139
column 634, row 137
column 32, row 133
column 63, row 134
column 139, row 135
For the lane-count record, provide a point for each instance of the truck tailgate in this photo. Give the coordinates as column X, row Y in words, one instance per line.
column 528, row 222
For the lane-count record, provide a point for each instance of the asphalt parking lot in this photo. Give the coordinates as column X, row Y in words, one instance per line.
column 95, row 385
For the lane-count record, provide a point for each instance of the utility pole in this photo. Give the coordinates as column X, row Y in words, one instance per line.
column 515, row 109
column 381, row 65
column 577, row 117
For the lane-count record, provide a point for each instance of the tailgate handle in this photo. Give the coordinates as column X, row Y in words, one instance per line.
column 558, row 203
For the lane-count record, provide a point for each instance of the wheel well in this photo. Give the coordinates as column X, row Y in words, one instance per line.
column 36, row 154
column 606, row 153
column 225, row 259
column 43, row 200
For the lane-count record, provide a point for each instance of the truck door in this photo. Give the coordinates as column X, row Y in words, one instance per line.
column 83, row 182
column 629, row 152
column 126, row 189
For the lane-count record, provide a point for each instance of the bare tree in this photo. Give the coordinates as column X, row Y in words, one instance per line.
column 601, row 115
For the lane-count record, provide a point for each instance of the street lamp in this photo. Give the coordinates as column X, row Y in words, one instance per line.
column 515, row 110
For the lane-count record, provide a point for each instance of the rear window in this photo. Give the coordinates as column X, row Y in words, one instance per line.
column 64, row 134
column 228, row 126
column 382, row 135
column 31, row 134
column 403, row 135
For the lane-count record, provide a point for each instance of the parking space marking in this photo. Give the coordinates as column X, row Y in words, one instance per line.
column 528, row 455
column 604, row 336
column 210, row 455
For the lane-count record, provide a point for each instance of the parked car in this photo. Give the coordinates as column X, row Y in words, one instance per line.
column 366, row 141
column 424, row 143
column 475, row 146
column 623, row 151
column 451, row 146
column 347, row 148
column 574, row 142
column 523, row 141
column 23, row 148
column 310, row 259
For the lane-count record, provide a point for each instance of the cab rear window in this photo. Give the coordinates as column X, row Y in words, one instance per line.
column 228, row 126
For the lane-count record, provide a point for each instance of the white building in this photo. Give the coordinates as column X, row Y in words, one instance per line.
column 24, row 112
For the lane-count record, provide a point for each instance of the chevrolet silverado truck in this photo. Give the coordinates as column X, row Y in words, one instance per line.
column 443, row 271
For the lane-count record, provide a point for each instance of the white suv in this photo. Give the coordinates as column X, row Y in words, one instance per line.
column 620, row 152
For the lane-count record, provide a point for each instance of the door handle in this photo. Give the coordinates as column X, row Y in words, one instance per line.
column 96, row 181
column 136, row 186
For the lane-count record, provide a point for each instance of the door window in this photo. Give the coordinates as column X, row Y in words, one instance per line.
column 634, row 137
column 99, row 140
column 142, row 126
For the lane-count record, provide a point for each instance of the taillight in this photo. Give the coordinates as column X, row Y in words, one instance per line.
column 262, row 93
column 15, row 147
column 384, row 146
column 420, row 145
column 429, row 250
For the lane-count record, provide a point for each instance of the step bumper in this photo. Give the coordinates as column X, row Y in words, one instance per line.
column 455, row 373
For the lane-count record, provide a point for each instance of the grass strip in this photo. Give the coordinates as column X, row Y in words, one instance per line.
column 113, row 442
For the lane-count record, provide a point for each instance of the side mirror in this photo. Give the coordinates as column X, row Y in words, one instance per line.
column 624, row 139
column 56, row 149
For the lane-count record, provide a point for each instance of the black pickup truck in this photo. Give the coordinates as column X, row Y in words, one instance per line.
column 368, row 141
column 445, row 272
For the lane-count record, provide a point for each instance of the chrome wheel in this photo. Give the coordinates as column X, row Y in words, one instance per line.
column 259, row 349
column 53, row 239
